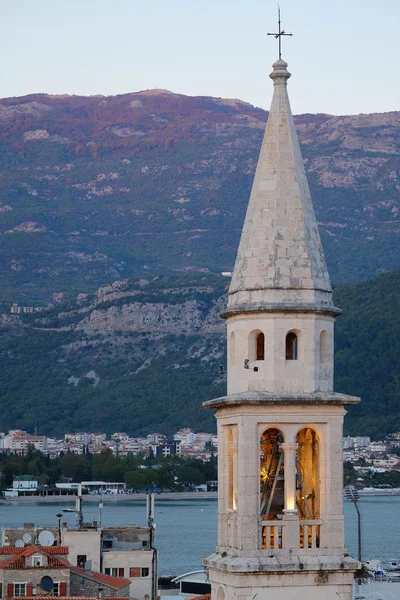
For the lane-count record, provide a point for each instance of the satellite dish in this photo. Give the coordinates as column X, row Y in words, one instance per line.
column 19, row 543
column 27, row 538
column 46, row 583
column 46, row 538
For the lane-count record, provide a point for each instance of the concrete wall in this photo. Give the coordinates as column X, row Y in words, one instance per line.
column 135, row 560
column 83, row 542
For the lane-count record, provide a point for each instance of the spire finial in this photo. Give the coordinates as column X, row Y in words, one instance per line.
column 281, row 32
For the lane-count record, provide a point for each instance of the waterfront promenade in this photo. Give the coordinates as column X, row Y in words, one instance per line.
column 96, row 498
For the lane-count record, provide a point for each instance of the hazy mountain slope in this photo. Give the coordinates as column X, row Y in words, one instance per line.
column 143, row 355
column 93, row 189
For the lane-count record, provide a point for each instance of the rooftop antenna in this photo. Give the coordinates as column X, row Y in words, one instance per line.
column 150, row 515
column 78, row 508
column 280, row 33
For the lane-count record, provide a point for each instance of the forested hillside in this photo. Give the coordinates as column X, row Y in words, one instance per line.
column 142, row 355
column 94, row 189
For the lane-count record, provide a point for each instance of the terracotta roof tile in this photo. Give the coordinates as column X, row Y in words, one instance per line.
column 57, row 550
column 117, row 582
column 17, row 560
column 79, row 598
column 48, row 549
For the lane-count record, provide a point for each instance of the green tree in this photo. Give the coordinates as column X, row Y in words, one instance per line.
column 102, row 463
column 190, row 476
column 141, row 478
column 75, row 466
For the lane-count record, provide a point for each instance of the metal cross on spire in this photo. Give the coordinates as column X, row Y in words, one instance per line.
column 281, row 32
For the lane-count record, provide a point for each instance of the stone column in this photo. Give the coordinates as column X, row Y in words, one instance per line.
column 291, row 531
column 289, row 450
column 248, row 485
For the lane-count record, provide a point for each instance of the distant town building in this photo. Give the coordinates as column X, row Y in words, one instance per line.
column 377, row 447
column 156, row 438
column 362, row 442
column 25, row 482
column 185, row 436
column 166, row 449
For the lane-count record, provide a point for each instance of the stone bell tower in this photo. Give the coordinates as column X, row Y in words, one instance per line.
column 280, row 498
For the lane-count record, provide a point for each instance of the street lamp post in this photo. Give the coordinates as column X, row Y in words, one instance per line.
column 59, row 517
column 353, row 495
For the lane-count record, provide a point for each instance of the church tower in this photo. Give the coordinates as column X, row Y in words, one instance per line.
column 280, row 493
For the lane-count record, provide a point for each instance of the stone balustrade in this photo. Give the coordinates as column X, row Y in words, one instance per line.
column 272, row 537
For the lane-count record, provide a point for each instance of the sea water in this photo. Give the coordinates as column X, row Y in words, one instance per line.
column 186, row 530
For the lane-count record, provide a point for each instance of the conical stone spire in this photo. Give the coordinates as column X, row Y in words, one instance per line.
column 280, row 262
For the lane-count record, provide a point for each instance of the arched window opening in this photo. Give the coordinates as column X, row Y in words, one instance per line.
column 232, row 469
column 308, row 483
column 256, row 343
column 260, row 350
column 271, row 475
column 272, row 487
column 292, row 346
column 323, row 348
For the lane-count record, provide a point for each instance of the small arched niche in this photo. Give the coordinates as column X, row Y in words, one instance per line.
column 323, row 348
column 221, row 594
column 232, row 468
column 256, row 345
column 292, row 345
column 307, row 474
column 272, row 501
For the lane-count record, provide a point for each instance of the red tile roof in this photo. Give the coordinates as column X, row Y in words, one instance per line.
column 79, row 598
column 17, row 561
column 49, row 550
column 10, row 550
column 57, row 550
column 117, row 582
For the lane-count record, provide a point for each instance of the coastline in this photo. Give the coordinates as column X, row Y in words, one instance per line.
column 140, row 497
column 169, row 496
column 89, row 498
column 379, row 492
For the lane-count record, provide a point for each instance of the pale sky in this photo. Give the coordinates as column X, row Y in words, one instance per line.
column 344, row 55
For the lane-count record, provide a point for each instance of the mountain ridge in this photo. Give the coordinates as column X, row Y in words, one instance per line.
column 142, row 355
column 95, row 189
